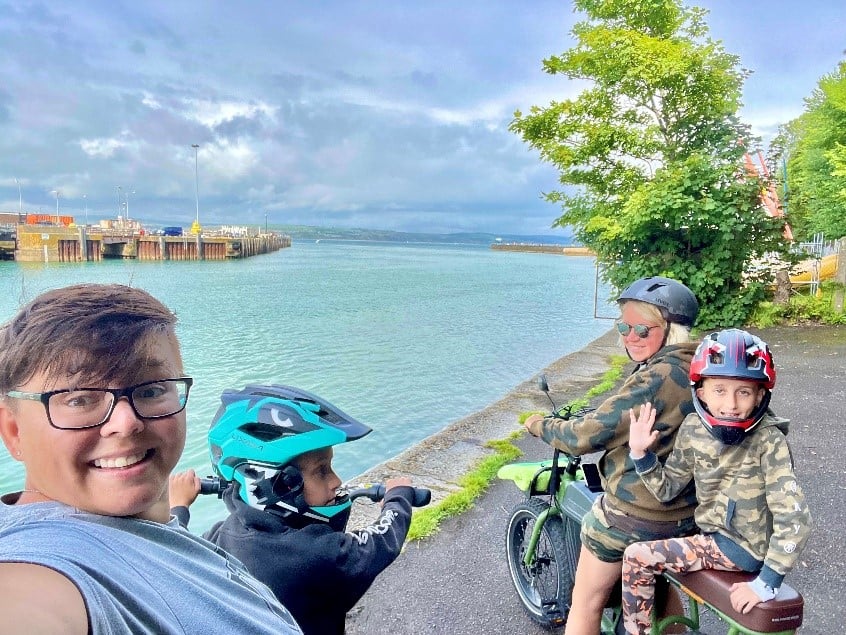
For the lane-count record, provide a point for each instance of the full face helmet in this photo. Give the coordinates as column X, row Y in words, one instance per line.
column 733, row 354
column 259, row 431
column 675, row 301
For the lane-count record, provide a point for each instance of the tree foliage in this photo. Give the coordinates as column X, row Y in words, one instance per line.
column 649, row 154
column 815, row 146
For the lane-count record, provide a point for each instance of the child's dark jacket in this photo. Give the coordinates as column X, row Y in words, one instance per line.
column 317, row 573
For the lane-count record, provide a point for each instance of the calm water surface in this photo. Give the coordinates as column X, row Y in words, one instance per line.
column 407, row 338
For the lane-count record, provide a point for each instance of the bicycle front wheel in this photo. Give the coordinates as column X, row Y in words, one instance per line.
column 545, row 586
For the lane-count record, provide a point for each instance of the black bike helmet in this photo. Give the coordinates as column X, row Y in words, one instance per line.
column 675, row 301
column 733, row 354
column 257, row 433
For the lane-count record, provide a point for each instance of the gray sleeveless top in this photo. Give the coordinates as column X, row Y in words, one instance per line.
column 139, row 576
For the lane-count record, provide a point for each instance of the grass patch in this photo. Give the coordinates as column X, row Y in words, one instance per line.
column 610, row 377
column 427, row 521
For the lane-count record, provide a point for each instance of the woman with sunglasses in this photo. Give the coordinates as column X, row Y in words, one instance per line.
column 656, row 315
column 92, row 402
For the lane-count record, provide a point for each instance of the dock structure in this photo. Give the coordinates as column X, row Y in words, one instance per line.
column 58, row 243
column 537, row 248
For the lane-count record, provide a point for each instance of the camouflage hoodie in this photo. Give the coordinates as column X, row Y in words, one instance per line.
column 749, row 498
column 663, row 381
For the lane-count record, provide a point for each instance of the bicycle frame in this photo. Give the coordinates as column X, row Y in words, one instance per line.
column 561, row 487
column 547, row 477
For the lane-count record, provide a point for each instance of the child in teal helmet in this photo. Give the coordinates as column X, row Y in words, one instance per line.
column 286, row 523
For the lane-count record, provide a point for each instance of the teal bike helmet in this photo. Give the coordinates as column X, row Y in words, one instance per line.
column 259, row 431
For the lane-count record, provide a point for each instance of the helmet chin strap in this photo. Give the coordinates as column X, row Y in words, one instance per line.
column 666, row 333
column 729, row 420
column 280, row 492
column 263, row 492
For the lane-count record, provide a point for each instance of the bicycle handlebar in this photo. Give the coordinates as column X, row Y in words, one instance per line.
column 564, row 412
column 212, row 485
column 375, row 492
column 567, row 412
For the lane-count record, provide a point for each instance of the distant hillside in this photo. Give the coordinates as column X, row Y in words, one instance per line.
column 306, row 232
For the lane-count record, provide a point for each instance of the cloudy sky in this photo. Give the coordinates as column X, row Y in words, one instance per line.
column 379, row 114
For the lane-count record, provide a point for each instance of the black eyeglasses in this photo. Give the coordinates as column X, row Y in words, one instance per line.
column 641, row 330
column 80, row 408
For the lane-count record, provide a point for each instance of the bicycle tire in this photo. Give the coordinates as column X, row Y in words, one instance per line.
column 545, row 589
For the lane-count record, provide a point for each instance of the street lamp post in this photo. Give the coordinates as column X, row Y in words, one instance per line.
column 20, row 197
column 265, row 222
column 131, row 191
column 120, row 205
column 197, row 183
column 85, row 200
column 56, row 192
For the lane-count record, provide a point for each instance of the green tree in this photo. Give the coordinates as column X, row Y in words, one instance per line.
column 815, row 145
column 649, row 154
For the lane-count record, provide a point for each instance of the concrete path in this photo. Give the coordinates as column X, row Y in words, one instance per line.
column 457, row 581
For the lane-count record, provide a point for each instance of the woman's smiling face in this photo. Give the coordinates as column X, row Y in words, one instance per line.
column 640, row 349
column 118, row 469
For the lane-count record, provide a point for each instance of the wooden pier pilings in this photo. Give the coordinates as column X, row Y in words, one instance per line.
column 80, row 244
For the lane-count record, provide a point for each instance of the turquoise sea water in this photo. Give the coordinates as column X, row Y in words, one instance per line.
column 405, row 337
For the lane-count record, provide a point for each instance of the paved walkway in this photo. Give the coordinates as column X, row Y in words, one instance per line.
column 457, row 581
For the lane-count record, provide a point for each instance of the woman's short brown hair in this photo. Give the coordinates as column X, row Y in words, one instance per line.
column 97, row 332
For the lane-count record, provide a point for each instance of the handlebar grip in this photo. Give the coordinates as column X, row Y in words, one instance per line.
column 212, row 485
column 422, row 496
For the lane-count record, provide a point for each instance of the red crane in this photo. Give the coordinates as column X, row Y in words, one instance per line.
column 769, row 197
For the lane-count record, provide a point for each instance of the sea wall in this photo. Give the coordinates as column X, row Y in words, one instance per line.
column 543, row 249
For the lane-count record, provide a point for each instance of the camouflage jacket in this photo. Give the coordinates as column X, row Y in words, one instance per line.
column 663, row 381
column 748, row 494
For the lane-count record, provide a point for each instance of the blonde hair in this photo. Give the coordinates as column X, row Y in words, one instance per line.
column 677, row 334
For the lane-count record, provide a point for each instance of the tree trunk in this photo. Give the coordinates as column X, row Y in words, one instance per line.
column 783, row 286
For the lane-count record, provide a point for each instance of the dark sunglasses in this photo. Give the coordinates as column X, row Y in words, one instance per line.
column 641, row 330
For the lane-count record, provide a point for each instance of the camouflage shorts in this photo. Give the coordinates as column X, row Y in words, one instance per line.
column 608, row 541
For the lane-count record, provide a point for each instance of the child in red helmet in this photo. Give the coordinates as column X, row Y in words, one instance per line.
column 752, row 514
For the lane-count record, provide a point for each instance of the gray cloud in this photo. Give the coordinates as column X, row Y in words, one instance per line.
column 374, row 114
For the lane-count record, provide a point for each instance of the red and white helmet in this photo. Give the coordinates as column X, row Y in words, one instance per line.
column 734, row 354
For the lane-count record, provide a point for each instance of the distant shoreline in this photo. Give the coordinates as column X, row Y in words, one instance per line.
column 303, row 232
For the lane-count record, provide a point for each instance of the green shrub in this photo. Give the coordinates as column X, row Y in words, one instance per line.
column 802, row 307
